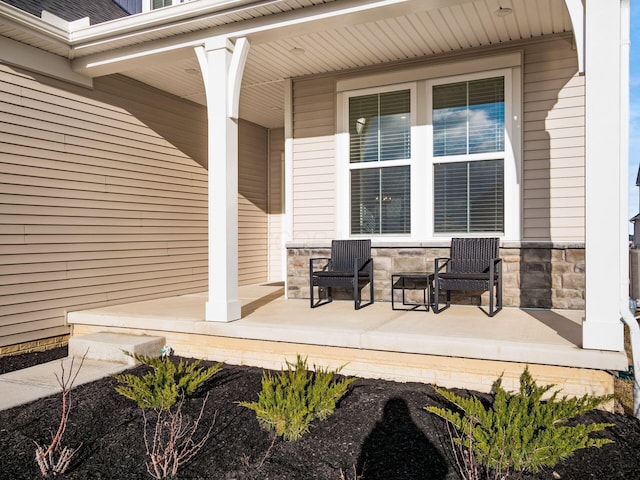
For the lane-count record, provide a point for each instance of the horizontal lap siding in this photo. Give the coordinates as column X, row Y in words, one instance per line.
column 97, row 205
column 553, row 143
column 314, row 165
column 276, row 204
column 252, row 204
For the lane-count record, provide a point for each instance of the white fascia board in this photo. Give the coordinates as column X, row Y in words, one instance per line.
column 24, row 21
column 36, row 60
column 160, row 18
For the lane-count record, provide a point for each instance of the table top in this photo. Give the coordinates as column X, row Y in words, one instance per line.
column 412, row 274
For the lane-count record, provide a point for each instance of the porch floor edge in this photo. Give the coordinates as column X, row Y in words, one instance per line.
column 539, row 337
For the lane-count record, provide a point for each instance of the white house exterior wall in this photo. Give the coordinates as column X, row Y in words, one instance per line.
column 314, row 164
column 253, row 228
column 97, row 205
column 553, row 143
column 552, row 171
column 276, row 205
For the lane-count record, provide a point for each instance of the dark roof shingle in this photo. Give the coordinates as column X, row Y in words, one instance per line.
column 98, row 11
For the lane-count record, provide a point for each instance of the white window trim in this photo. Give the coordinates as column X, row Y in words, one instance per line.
column 422, row 228
column 511, row 183
column 344, row 187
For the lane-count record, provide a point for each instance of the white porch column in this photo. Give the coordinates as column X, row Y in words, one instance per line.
column 215, row 60
column 605, row 175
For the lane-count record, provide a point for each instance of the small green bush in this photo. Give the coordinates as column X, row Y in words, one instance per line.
column 166, row 383
column 520, row 432
column 292, row 399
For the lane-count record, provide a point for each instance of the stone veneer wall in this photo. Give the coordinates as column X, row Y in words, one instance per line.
column 535, row 274
column 34, row 346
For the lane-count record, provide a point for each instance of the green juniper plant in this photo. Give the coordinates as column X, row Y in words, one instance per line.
column 170, row 438
column 166, row 383
column 520, row 432
column 292, row 399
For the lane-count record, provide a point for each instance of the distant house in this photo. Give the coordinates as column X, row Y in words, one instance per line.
column 635, row 238
column 209, row 145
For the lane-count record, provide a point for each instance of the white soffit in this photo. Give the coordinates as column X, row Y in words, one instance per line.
column 398, row 30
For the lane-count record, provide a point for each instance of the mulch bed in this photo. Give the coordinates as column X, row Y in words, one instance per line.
column 379, row 430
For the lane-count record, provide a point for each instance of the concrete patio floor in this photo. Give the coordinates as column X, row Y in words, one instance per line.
column 531, row 336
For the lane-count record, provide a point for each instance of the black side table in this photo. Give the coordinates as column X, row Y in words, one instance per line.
column 412, row 281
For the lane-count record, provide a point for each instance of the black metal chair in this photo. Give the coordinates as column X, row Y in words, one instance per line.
column 474, row 264
column 350, row 265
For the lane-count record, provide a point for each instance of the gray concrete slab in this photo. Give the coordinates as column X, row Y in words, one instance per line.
column 29, row 384
column 537, row 336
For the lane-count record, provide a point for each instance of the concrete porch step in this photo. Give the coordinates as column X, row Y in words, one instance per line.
column 110, row 347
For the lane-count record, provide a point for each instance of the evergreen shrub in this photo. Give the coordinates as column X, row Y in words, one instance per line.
column 166, row 383
column 521, row 432
column 289, row 401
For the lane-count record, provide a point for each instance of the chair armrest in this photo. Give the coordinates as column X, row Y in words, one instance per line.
column 318, row 259
column 362, row 263
column 439, row 263
column 495, row 265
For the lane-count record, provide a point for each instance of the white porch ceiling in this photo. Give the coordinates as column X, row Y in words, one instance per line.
column 398, row 30
column 405, row 37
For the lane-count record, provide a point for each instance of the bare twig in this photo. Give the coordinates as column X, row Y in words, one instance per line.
column 172, row 443
column 273, row 442
column 55, row 459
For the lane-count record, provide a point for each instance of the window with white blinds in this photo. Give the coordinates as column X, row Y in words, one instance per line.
column 380, row 134
column 432, row 157
column 468, row 189
column 468, row 117
column 380, row 200
column 469, row 197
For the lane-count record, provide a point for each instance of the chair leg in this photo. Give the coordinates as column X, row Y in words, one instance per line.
column 491, row 300
column 371, row 290
column 311, row 293
column 356, row 295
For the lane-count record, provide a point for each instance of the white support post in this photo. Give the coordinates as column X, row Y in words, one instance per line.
column 604, row 172
column 223, row 304
column 576, row 13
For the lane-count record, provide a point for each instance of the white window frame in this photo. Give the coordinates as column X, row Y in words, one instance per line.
column 147, row 5
column 382, row 164
column 421, row 80
column 511, row 185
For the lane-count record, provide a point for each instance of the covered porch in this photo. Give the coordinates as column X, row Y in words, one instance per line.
column 460, row 347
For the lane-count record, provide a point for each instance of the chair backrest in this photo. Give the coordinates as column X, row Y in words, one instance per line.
column 472, row 255
column 344, row 251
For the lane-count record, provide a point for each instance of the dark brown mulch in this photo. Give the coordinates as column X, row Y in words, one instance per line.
column 380, row 430
column 24, row 360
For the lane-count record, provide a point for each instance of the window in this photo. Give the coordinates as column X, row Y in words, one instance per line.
column 155, row 4
column 431, row 152
column 469, row 197
column 379, row 155
column 468, row 123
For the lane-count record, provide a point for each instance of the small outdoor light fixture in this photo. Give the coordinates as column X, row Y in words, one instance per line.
column 503, row 11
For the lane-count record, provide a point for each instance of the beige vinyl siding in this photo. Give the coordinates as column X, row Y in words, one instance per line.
column 552, row 167
column 252, row 204
column 553, row 143
column 314, row 164
column 276, row 204
column 97, row 205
